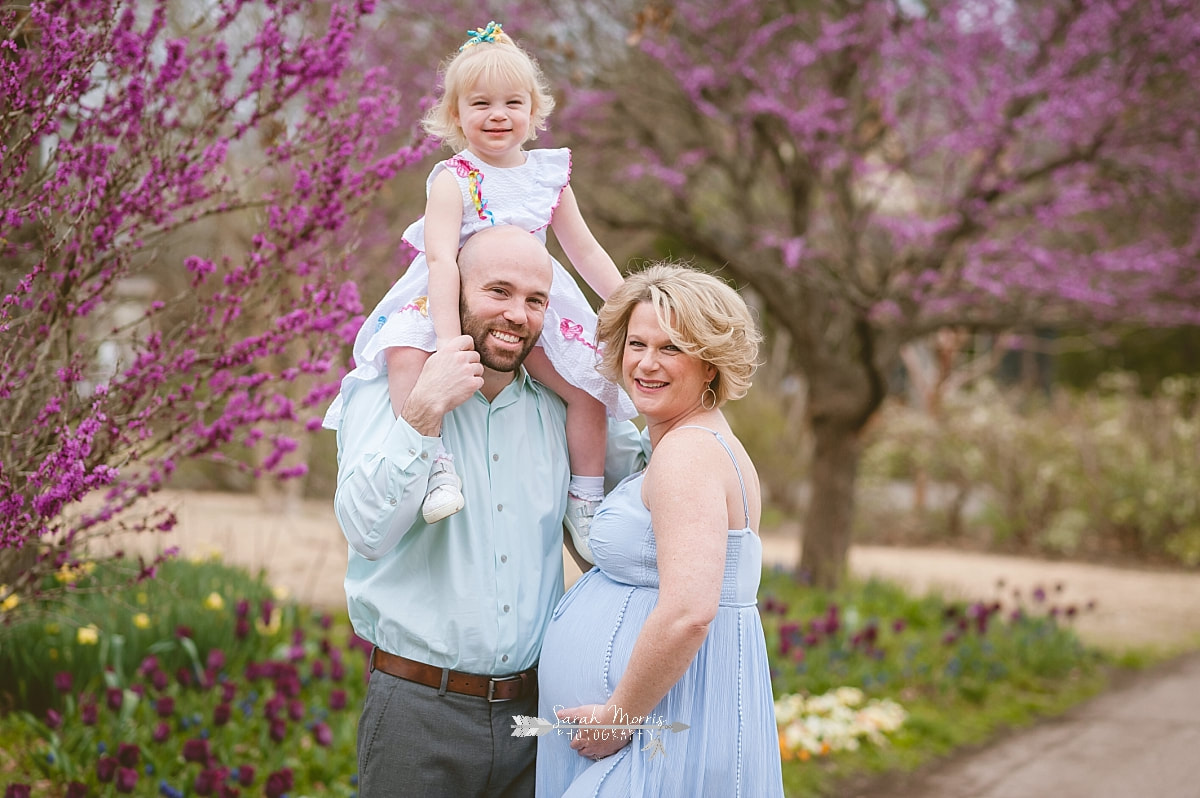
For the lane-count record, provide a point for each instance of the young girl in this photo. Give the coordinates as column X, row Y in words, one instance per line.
column 495, row 99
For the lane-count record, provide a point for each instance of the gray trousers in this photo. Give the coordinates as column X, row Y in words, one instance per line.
column 412, row 741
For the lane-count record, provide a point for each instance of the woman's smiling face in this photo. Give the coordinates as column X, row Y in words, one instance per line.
column 662, row 380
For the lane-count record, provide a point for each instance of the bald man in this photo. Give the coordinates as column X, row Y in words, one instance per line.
column 457, row 610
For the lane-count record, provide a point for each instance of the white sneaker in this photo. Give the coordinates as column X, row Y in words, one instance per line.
column 443, row 497
column 578, row 522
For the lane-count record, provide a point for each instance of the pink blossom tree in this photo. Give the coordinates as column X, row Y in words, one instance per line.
column 878, row 171
column 131, row 135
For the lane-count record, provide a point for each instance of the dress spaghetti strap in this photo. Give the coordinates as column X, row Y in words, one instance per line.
column 736, row 467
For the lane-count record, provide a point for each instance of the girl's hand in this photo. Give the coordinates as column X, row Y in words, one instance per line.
column 594, row 743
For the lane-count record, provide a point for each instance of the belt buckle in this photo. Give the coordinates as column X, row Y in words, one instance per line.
column 491, row 691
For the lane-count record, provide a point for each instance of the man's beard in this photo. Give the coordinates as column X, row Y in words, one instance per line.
column 480, row 332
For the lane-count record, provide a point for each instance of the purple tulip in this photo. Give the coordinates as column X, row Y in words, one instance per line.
column 221, row 714
column 278, row 730
column 243, row 608
column 295, row 709
column 115, row 697
column 288, row 685
column 161, row 732
column 53, row 719
column 278, row 783
column 209, row 780
column 106, row 768
column 273, row 706
column 241, row 629
column 246, row 775
column 63, row 681
column 159, row 679
column 88, row 714
column 337, row 700
column 318, row 669
column 196, row 750
column 215, row 660
column 17, row 791
column 77, row 789
column 337, row 671
column 265, row 609
column 127, row 754
column 323, row 734
column 127, row 779
column 228, row 691
column 165, row 706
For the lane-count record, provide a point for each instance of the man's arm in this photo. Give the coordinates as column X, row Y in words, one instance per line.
column 384, row 461
column 628, row 452
column 383, row 468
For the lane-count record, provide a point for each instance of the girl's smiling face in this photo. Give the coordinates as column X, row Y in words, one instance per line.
column 495, row 120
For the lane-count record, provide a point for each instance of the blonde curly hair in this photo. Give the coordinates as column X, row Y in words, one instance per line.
column 704, row 317
column 501, row 61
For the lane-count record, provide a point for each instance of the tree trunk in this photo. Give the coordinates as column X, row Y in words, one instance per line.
column 844, row 392
column 829, row 521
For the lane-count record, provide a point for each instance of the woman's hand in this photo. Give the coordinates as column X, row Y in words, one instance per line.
column 595, row 743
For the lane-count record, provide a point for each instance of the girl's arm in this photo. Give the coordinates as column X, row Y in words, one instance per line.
column 686, row 493
column 581, row 247
column 443, row 224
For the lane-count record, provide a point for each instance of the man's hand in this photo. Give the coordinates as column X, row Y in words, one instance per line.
column 450, row 376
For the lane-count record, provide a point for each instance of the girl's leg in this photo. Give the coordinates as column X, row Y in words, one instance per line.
column 443, row 495
column 404, row 364
column 587, row 419
column 587, row 437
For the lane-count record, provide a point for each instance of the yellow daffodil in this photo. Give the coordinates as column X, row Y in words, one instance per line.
column 214, row 601
column 141, row 620
column 87, row 635
column 280, row 592
column 10, row 602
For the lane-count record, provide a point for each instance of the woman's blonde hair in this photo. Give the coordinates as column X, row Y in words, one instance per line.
column 703, row 316
column 500, row 60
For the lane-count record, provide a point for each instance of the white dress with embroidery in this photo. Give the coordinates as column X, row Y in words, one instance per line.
column 525, row 196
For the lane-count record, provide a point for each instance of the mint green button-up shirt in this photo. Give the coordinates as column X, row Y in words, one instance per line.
column 473, row 592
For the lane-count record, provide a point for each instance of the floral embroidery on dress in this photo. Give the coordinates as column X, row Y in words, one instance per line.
column 465, row 168
column 573, row 331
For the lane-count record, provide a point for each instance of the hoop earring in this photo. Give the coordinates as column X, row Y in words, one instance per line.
column 704, row 396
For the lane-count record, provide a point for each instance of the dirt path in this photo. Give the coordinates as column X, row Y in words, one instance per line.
column 304, row 552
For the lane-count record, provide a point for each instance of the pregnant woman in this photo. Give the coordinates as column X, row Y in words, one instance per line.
column 665, row 629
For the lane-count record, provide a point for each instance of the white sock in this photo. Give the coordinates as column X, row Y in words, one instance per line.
column 587, row 488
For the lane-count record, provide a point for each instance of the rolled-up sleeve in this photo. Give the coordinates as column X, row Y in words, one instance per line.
column 383, row 470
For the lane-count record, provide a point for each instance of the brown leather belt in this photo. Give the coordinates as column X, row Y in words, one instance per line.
column 499, row 688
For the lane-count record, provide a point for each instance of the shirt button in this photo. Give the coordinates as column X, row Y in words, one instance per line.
column 506, row 608
column 495, row 458
column 504, row 658
column 424, row 455
column 499, row 508
column 392, row 500
column 503, row 558
column 412, row 451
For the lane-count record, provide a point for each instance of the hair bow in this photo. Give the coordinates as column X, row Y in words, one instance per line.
column 481, row 35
